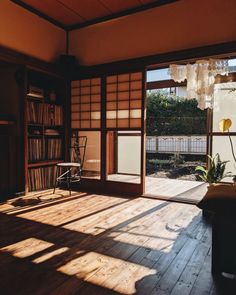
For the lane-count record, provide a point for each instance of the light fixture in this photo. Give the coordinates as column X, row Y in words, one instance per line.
column 200, row 78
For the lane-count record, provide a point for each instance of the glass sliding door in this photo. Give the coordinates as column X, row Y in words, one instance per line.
column 176, row 141
column 124, row 127
column 225, row 106
column 92, row 155
column 124, row 156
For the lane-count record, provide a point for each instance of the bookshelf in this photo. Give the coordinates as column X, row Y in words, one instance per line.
column 45, row 129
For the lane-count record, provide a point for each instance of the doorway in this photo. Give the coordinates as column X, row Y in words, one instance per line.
column 124, row 156
column 176, row 140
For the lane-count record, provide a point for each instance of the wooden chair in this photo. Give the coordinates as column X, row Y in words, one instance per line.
column 72, row 169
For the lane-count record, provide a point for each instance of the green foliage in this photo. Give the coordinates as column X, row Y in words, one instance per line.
column 177, row 159
column 170, row 115
column 216, row 171
column 154, row 165
column 161, row 162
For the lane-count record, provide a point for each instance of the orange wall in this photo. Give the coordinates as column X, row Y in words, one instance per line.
column 27, row 33
column 181, row 25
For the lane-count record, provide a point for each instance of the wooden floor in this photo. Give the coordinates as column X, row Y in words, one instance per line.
column 176, row 189
column 96, row 244
column 165, row 188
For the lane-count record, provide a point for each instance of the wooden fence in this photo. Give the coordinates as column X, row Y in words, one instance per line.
column 194, row 144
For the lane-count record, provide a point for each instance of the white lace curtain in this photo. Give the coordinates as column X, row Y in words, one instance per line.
column 200, row 79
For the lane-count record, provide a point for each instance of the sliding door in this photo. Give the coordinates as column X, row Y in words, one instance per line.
column 86, row 121
column 125, row 130
column 225, row 106
column 109, row 110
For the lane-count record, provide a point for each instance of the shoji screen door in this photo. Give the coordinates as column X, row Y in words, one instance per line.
column 125, row 128
column 109, row 110
column 86, row 121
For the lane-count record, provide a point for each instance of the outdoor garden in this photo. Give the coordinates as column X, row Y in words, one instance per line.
column 170, row 115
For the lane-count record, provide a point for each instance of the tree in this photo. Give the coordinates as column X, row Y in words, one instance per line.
column 171, row 115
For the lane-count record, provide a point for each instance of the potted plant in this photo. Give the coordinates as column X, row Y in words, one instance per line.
column 224, row 126
column 215, row 172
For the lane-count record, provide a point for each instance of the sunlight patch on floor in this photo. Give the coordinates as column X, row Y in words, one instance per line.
column 97, row 269
column 27, row 247
column 72, row 207
column 50, row 255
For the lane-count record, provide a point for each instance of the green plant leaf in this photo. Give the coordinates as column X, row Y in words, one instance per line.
column 200, row 168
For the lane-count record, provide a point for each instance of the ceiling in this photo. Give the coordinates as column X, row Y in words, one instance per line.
column 71, row 14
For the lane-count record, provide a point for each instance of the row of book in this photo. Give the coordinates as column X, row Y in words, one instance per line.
column 41, row 178
column 35, row 150
column 54, row 148
column 47, row 114
column 53, row 115
column 39, row 150
column 34, row 112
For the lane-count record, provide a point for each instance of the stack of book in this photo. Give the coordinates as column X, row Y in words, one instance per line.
column 53, row 115
column 58, row 117
column 54, row 148
column 35, row 92
column 34, row 112
column 41, row 178
column 48, row 114
column 35, row 149
column 51, row 132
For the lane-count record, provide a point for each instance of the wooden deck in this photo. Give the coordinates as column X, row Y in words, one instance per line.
column 97, row 244
column 176, row 189
column 168, row 189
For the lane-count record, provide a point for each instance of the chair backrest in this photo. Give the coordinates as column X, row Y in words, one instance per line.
column 78, row 149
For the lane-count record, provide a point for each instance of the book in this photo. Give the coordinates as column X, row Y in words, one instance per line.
column 41, row 178
column 35, row 92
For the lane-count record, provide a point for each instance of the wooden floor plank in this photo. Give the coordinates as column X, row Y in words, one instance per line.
column 98, row 244
column 204, row 281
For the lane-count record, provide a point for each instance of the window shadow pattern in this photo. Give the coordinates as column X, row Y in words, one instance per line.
column 130, row 237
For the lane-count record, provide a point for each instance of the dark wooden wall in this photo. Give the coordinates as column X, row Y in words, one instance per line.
column 11, row 133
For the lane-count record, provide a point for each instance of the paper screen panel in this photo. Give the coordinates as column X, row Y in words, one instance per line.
column 76, row 108
column 111, row 123
column 85, row 107
column 124, row 100
column 135, row 123
column 111, row 105
column 111, row 96
column 111, row 115
column 86, row 103
column 123, row 105
column 95, row 98
column 95, row 107
column 135, row 104
column 135, row 113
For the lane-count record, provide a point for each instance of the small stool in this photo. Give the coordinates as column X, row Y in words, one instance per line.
column 68, row 176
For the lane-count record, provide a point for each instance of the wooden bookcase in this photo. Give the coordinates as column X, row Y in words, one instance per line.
column 44, row 129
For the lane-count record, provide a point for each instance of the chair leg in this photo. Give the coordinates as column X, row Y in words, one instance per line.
column 70, row 183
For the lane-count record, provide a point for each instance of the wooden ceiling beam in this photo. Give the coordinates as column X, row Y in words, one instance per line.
column 96, row 20
column 151, row 62
column 120, row 14
column 40, row 14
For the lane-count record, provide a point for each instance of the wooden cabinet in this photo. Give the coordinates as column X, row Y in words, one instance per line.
column 32, row 129
column 44, row 127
